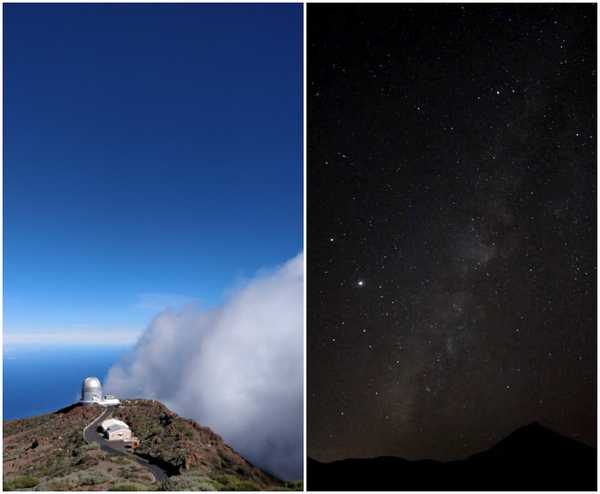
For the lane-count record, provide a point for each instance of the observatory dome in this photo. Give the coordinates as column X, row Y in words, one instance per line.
column 91, row 390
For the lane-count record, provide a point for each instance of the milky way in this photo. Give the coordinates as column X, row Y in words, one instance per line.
column 451, row 226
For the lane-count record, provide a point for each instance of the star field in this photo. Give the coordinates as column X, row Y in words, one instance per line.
column 451, row 226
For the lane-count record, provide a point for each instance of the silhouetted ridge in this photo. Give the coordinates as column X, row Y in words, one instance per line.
column 532, row 457
column 532, row 440
column 529, row 432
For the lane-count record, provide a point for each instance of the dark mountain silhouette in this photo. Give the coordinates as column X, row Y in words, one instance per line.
column 531, row 458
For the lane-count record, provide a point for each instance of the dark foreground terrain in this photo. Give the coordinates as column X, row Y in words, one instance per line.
column 531, row 458
column 49, row 453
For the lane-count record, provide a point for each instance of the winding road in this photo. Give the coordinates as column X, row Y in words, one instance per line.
column 91, row 435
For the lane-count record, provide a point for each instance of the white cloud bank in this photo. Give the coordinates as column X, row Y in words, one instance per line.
column 237, row 369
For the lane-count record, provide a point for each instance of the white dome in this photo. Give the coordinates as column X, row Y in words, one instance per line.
column 91, row 390
column 91, row 383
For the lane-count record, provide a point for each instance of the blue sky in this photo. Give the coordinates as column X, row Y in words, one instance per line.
column 152, row 156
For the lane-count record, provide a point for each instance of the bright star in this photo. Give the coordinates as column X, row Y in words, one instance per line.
column 361, row 283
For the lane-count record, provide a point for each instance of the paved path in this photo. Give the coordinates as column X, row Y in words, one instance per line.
column 91, row 434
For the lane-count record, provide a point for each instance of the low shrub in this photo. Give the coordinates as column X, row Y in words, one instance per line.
column 293, row 485
column 246, row 485
column 233, row 483
column 55, row 485
column 189, row 483
column 21, row 482
column 128, row 487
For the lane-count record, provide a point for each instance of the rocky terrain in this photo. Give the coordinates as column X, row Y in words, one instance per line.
column 48, row 453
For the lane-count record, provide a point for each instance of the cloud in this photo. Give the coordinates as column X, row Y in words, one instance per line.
column 237, row 368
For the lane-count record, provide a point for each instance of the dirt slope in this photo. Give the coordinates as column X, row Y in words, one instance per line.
column 48, row 452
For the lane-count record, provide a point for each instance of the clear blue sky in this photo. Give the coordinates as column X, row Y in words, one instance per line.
column 152, row 153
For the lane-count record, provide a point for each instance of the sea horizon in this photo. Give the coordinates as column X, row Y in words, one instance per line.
column 43, row 379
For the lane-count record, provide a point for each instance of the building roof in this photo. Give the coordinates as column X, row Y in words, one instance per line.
column 118, row 427
column 91, row 383
column 113, row 425
column 110, row 401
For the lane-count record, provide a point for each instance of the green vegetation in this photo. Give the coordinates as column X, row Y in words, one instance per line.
column 189, row 482
column 48, row 453
column 129, row 487
column 21, row 482
column 233, row 483
column 55, row 485
column 293, row 485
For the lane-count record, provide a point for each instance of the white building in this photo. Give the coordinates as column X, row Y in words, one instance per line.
column 116, row 430
column 91, row 392
column 110, row 400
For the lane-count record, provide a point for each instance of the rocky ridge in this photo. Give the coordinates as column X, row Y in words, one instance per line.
column 48, row 452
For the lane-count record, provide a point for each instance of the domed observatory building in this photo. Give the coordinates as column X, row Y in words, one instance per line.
column 91, row 392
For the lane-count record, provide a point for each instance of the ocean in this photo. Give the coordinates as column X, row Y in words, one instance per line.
column 46, row 379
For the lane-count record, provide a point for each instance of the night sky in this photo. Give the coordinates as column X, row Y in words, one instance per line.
column 451, row 226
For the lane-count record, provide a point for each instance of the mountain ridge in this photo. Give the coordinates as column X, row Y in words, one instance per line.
column 48, row 452
column 532, row 457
